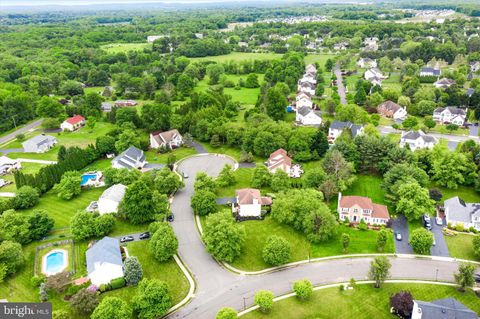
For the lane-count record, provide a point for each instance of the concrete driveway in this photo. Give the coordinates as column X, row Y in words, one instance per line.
column 440, row 248
column 473, row 130
column 400, row 225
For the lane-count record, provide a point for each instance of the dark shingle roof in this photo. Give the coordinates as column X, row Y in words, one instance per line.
column 448, row 308
column 430, row 70
column 341, row 125
column 304, row 110
column 129, row 157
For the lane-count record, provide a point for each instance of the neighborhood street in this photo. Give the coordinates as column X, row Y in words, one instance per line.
column 218, row 287
column 340, row 86
column 24, row 129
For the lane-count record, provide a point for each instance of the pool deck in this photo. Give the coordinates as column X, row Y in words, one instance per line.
column 44, row 261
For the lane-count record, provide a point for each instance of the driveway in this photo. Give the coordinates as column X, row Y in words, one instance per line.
column 452, row 145
column 136, row 237
column 440, row 248
column 199, row 148
column 225, row 200
column 400, row 225
column 340, row 86
column 217, row 287
column 6, row 151
column 246, row 165
column 473, row 130
column 24, row 129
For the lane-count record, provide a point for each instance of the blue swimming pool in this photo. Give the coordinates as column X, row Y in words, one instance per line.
column 86, row 178
column 55, row 262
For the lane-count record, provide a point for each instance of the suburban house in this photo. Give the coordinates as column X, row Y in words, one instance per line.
column 450, row 114
column 374, row 73
column 104, row 261
column 307, row 87
column 308, row 77
column 356, row 208
column 475, row 66
column 444, row 83
column 417, row 140
column 279, row 160
column 124, row 103
column 457, row 212
column 392, row 110
column 428, row 71
column 153, row 38
column 248, row 202
column 370, row 44
column 106, row 106
column 341, row 46
column 7, row 165
column 365, row 63
column 448, row 308
column 169, row 139
column 111, row 198
column 311, row 69
column 303, row 99
column 337, row 127
column 307, row 116
column 39, row 144
column 130, row 158
column 73, row 123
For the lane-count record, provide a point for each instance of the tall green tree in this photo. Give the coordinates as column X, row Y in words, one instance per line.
column 152, row 299
column 414, row 201
column 379, row 270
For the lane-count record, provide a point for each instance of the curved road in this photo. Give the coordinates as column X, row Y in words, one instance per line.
column 217, row 287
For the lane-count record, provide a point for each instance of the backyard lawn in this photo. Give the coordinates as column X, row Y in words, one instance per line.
column 362, row 302
column 461, row 246
column 154, row 157
column 239, row 56
column 124, row 47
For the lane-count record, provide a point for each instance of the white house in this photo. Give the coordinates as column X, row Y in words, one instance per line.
column 130, row 158
column 153, row 38
column 428, row 71
column 170, row 139
column 307, row 116
column 73, row 123
column 302, row 100
column 248, row 202
column 111, row 198
column 279, row 160
column 104, row 261
column 450, row 114
column 308, row 77
column 448, row 308
column 417, row 140
column 444, row 83
column 341, row 46
column 392, row 110
column 307, row 87
column 7, row 165
column 337, row 127
column 374, row 73
column 39, row 144
column 365, row 63
column 457, row 212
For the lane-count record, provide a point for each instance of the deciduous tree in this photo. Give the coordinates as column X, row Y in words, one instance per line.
column 421, row 241
column 112, row 308
column 379, row 270
column 163, row 244
column 152, row 299
column 276, row 251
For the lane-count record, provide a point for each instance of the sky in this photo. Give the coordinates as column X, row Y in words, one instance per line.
column 89, row 2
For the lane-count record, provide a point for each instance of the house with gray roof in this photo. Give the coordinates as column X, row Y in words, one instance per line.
column 104, row 261
column 417, row 140
column 427, row 71
column 39, row 144
column 457, row 212
column 130, row 158
column 307, row 116
column 450, row 115
column 111, row 198
column 448, row 308
column 337, row 128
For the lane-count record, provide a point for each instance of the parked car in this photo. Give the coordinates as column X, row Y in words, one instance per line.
column 144, row 235
column 126, row 239
column 434, row 241
column 185, row 175
column 398, row 236
column 476, row 277
column 170, row 218
column 439, row 221
column 426, row 218
column 427, row 225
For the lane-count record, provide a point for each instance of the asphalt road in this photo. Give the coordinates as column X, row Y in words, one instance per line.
column 24, row 129
column 340, row 86
column 217, row 287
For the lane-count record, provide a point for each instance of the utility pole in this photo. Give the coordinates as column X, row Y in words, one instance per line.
column 244, row 304
column 436, row 274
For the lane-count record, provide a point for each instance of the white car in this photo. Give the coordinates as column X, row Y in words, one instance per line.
column 439, row 221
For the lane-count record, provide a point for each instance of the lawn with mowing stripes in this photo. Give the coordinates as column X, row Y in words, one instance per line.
column 461, row 246
column 362, row 302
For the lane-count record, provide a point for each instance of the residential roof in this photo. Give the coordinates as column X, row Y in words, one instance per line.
column 470, row 91
column 430, row 70
column 445, row 81
column 460, row 211
column 304, row 110
column 4, row 160
column 378, row 211
column 448, row 308
column 130, row 157
column 451, row 109
column 41, row 139
column 389, row 106
column 106, row 250
column 338, row 125
column 114, row 193
column 165, row 137
column 75, row 119
column 278, row 158
column 414, row 135
column 246, row 196
column 302, row 95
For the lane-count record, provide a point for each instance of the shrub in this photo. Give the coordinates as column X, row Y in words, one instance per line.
column 264, row 300
column 133, row 271
column 276, row 251
column 26, row 197
column 226, row 313
column 303, row 289
column 35, row 281
column 103, row 287
column 362, row 225
column 402, row 303
column 117, row 283
column 84, row 301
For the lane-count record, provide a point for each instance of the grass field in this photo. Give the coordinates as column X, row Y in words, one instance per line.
column 154, row 157
column 362, row 302
column 125, row 47
column 468, row 194
column 239, row 56
column 318, row 58
column 461, row 246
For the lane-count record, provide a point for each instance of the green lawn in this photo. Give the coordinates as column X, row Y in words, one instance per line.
column 239, row 56
column 182, row 152
column 319, row 58
column 461, row 246
column 362, row 302
column 243, row 178
column 468, row 194
column 125, row 47
column 44, row 251
column 27, row 168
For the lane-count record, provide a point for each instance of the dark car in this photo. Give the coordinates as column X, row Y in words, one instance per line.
column 126, row 239
column 144, row 235
column 476, row 277
column 170, row 218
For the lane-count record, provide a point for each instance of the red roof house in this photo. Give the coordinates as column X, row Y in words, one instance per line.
column 279, row 160
column 73, row 123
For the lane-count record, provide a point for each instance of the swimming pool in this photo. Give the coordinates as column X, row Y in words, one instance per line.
column 86, row 178
column 54, row 262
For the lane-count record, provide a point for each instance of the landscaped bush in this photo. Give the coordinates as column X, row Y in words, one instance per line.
column 303, row 289
column 117, row 283
column 103, row 288
column 362, row 225
column 264, row 300
column 276, row 251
